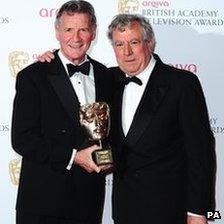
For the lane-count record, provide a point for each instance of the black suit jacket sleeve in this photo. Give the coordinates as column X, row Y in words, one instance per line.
column 27, row 132
column 199, row 146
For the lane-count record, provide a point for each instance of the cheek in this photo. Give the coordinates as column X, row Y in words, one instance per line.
column 140, row 55
column 118, row 55
column 63, row 38
column 66, row 37
column 139, row 51
column 87, row 39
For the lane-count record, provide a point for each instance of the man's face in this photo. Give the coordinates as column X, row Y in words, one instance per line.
column 132, row 52
column 75, row 33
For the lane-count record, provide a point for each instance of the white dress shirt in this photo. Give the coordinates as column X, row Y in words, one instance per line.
column 132, row 96
column 84, row 86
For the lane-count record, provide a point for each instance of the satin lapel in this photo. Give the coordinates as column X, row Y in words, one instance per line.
column 153, row 96
column 118, row 111
column 63, row 88
column 99, row 81
column 118, row 98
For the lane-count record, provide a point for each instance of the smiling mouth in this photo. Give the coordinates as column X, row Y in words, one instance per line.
column 129, row 59
column 75, row 46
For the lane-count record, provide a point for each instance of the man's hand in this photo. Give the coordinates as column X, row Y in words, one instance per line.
column 196, row 220
column 84, row 159
column 47, row 56
column 106, row 168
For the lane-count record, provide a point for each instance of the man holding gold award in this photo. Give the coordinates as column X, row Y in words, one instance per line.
column 59, row 181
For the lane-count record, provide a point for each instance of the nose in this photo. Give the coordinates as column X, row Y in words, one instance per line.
column 76, row 36
column 127, row 49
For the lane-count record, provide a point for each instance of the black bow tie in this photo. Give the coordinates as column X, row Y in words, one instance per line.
column 83, row 68
column 135, row 79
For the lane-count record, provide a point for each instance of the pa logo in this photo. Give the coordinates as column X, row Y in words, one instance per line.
column 214, row 215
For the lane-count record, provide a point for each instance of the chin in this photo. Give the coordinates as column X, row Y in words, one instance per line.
column 131, row 73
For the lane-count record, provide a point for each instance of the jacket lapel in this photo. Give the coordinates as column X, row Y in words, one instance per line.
column 153, row 96
column 98, row 73
column 63, row 88
column 118, row 111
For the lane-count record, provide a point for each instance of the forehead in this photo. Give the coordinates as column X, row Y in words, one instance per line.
column 75, row 19
column 131, row 30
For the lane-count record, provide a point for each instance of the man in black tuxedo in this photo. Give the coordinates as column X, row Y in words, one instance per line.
column 59, row 181
column 162, row 142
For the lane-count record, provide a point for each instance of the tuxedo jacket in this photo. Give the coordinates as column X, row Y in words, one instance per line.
column 45, row 130
column 164, row 166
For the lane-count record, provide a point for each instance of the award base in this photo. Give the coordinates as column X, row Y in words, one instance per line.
column 102, row 156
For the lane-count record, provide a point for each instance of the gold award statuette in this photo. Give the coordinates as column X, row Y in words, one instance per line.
column 14, row 171
column 95, row 118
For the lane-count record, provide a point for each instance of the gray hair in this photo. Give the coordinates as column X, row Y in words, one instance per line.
column 76, row 6
column 121, row 21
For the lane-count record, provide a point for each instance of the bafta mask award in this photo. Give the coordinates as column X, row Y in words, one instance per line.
column 95, row 119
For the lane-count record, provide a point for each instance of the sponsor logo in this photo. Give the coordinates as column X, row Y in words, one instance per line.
column 48, row 13
column 160, row 12
column 128, row 6
column 17, row 60
column 4, row 20
column 183, row 17
column 155, row 4
column 188, row 67
column 135, row 6
column 14, row 171
column 4, row 127
column 216, row 127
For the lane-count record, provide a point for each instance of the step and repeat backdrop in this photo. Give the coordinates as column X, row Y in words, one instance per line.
column 189, row 35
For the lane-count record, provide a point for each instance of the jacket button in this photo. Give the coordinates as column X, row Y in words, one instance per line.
column 63, row 131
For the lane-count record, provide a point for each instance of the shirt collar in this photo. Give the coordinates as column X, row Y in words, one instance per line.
column 145, row 74
column 65, row 61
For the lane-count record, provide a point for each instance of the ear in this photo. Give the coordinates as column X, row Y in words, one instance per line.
column 56, row 33
column 93, row 32
column 152, row 44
